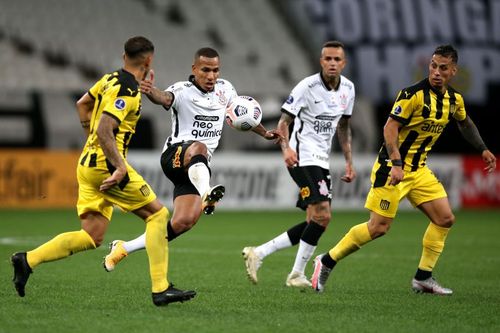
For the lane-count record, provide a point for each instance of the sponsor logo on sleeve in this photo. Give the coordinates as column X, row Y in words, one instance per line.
column 289, row 100
column 120, row 103
column 397, row 110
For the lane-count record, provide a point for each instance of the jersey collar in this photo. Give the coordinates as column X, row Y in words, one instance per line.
column 193, row 81
column 327, row 86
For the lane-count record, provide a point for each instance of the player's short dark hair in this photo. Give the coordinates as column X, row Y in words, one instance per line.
column 447, row 51
column 334, row 43
column 206, row 52
column 138, row 46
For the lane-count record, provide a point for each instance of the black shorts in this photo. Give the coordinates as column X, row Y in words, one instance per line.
column 315, row 184
column 172, row 164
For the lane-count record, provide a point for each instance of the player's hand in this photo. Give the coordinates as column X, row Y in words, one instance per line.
column 147, row 84
column 396, row 175
column 290, row 157
column 350, row 174
column 490, row 160
column 115, row 178
column 273, row 134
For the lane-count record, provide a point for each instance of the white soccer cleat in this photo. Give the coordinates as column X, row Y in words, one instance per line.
column 299, row 280
column 431, row 286
column 252, row 263
column 116, row 254
column 320, row 274
column 211, row 197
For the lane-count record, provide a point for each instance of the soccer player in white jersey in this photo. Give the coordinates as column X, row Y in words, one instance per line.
column 198, row 109
column 318, row 106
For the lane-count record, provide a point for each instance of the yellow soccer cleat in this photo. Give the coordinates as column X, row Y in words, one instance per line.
column 116, row 254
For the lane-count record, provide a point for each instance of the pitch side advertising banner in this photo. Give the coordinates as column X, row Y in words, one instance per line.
column 479, row 189
column 47, row 179
column 261, row 181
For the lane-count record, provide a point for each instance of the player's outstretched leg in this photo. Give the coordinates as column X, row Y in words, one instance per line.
column 22, row 271
column 252, row 263
column 116, row 254
column 172, row 295
column 211, row 197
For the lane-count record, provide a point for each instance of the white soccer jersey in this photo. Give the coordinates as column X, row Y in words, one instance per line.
column 317, row 111
column 199, row 115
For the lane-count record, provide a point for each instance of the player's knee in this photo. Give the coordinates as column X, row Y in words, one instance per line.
column 378, row 229
column 183, row 223
column 447, row 221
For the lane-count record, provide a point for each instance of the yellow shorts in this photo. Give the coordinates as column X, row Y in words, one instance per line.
column 419, row 186
column 130, row 196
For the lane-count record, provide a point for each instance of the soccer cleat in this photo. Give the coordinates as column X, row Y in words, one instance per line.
column 431, row 286
column 252, row 263
column 116, row 254
column 22, row 271
column 299, row 280
column 171, row 295
column 320, row 274
column 211, row 197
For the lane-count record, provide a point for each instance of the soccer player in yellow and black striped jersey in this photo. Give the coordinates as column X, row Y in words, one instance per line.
column 109, row 113
column 418, row 117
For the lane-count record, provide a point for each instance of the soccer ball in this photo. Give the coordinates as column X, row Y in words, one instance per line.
column 243, row 113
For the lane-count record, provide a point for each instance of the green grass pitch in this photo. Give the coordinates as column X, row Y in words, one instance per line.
column 368, row 291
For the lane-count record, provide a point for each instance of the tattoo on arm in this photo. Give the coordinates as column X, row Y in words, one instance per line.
column 283, row 124
column 345, row 138
column 471, row 134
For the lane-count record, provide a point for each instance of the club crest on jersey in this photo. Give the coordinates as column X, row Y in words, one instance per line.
column 289, row 100
column 120, row 103
column 323, row 188
column 397, row 110
column 222, row 97
column 343, row 100
column 384, row 204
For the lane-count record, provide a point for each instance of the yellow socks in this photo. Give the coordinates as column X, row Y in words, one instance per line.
column 351, row 242
column 433, row 244
column 61, row 246
column 157, row 248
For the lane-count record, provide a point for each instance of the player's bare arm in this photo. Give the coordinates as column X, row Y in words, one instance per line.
column 289, row 154
column 155, row 95
column 108, row 144
column 84, row 106
column 471, row 134
column 391, row 132
column 268, row 135
column 345, row 138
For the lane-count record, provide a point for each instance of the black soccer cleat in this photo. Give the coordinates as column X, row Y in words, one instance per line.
column 172, row 295
column 211, row 198
column 22, row 271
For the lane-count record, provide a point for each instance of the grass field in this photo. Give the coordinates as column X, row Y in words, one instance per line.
column 368, row 292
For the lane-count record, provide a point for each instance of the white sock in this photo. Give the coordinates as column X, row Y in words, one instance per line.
column 135, row 244
column 200, row 177
column 304, row 254
column 278, row 243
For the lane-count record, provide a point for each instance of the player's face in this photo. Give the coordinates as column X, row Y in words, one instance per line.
column 332, row 61
column 441, row 71
column 206, row 72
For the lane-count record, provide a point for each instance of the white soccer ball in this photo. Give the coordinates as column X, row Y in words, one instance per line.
column 243, row 113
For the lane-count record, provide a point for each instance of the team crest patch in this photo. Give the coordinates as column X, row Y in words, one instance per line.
column 397, row 110
column 120, row 103
column 305, row 192
column 384, row 204
column 323, row 189
column 145, row 190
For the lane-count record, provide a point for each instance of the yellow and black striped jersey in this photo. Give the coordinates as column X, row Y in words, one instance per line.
column 424, row 113
column 116, row 94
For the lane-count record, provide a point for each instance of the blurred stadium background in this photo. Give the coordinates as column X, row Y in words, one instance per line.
column 52, row 51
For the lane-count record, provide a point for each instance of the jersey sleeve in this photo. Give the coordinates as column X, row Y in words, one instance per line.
column 177, row 90
column 404, row 106
column 117, row 106
column 94, row 91
column 296, row 100
column 460, row 113
column 350, row 105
